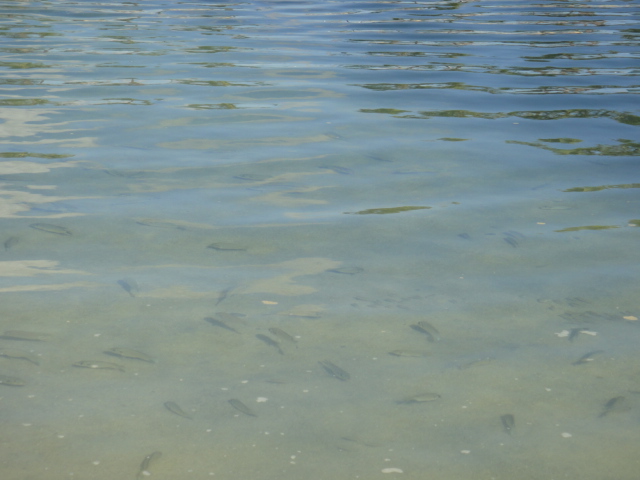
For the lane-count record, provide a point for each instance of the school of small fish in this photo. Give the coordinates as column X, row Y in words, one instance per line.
column 275, row 338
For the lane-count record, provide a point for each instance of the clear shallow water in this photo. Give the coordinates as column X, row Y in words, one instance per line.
column 340, row 171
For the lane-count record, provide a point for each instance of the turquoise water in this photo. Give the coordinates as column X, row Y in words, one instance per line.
column 339, row 171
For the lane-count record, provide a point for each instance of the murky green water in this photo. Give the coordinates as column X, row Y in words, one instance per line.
column 261, row 201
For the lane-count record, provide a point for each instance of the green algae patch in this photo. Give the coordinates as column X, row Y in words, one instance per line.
column 22, row 102
column 602, row 187
column 625, row 148
column 384, row 211
column 560, row 140
column 21, row 65
column 588, row 227
column 388, row 111
column 35, row 155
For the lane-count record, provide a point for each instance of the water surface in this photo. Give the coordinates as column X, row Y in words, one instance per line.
column 340, row 171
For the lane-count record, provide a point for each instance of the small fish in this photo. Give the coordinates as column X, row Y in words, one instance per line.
column 408, row 353
column 227, row 247
column 611, row 405
column 24, row 336
column 99, row 365
column 129, row 353
column 12, row 381
column 508, row 422
column 224, row 294
column 130, row 286
column 174, row 408
column 10, row 242
column 152, row 222
column 511, row 241
column 282, row 335
column 146, row 463
column 431, row 333
column 20, row 355
column 574, row 332
column 347, row 270
column 427, row 327
column 50, row 228
column 270, row 341
column 334, row 370
column 587, row 357
column 421, row 398
column 241, row 407
column 219, row 323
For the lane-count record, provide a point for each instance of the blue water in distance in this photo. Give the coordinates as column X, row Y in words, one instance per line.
column 265, row 201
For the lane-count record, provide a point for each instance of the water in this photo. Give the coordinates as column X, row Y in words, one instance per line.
column 341, row 171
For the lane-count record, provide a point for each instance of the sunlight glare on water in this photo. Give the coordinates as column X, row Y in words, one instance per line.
column 323, row 240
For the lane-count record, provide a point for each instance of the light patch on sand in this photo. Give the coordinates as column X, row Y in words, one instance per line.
column 13, row 202
column 283, row 199
column 56, row 286
column 8, row 167
column 31, row 268
column 32, row 122
column 27, row 122
column 285, row 284
column 176, row 122
column 307, row 311
column 284, row 178
column 288, row 160
column 80, row 142
column 309, row 107
column 391, row 470
column 167, row 183
column 178, row 291
column 282, row 284
column 310, row 215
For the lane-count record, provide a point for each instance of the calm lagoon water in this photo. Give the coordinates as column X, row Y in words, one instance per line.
column 339, row 172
